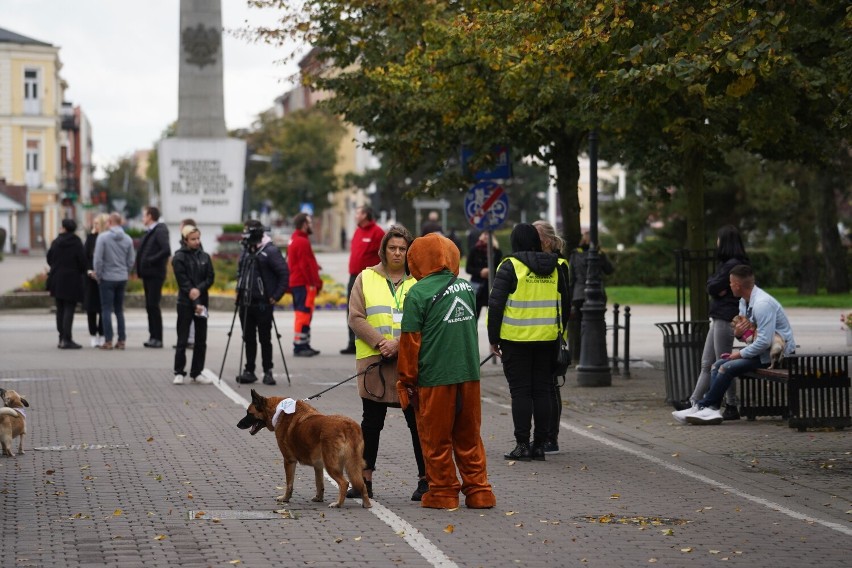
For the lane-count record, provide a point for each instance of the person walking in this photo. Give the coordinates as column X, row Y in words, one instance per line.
column 439, row 376
column 363, row 254
column 762, row 310
column 305, row 284
column 194, row 275
column 114, row 259
column 376, row 306
column 262, row 276
column 553, row 243
column 67, row 260
column 477, row 267
column 154, row 252
column 91, row 290
column 577, row 285
column 730, row 252
column 523, row 329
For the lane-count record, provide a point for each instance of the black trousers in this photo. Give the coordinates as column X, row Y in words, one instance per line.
column 96, row 326
column 153, row 292
column 185, row 317
column 256, row 320
column 65, row 318
column 372, row 422
column 528, row 367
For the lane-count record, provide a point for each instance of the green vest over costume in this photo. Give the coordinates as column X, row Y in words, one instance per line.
column 530, row 313
column 381, row 305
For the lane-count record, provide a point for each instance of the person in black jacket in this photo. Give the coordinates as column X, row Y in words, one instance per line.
column 477, row 267
column 262, row 278
column 91, row 289
column 151, row 260
column 194, row 275
column 523, row 330
column 730, row 252
column 67, row 260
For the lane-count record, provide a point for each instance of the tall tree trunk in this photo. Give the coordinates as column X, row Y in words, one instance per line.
column 805, row 223
column 566, row 148
column 834, row 255
column 693, row 184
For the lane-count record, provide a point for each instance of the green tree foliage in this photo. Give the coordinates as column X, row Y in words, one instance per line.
column 302, row 148
column 121, row 182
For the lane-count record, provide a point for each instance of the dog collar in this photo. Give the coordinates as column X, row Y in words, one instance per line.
column 287, row 406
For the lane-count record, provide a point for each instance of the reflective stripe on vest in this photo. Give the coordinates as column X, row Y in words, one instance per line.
column 380, row 306
column 530, row 313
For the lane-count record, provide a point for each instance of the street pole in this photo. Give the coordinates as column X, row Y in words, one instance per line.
column 593, row 370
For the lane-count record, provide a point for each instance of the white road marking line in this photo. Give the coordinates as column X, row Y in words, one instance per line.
column 415, row 539
column 697, row 476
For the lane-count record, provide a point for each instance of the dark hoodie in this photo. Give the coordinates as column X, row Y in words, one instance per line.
column 67, row 260
column 193, row 269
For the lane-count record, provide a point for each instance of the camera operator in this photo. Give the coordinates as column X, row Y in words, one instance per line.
column 262, row 279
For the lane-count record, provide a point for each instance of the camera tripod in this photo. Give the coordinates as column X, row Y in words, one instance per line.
column 248, row 274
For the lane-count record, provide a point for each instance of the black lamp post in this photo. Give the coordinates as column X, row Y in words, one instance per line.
column 593, row 370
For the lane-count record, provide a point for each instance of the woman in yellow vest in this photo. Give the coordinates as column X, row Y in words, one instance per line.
column 375, row 315
column 523, row 308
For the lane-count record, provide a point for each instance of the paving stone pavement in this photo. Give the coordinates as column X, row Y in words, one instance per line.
column 124, row 469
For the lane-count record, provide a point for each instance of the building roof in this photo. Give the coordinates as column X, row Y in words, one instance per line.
column 15, row 193
column 8, row 36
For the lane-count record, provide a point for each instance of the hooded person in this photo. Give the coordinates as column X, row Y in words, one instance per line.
column 439, row 375
column 523, row 310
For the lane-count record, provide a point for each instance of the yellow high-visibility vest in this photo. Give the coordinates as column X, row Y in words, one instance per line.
column 381, row 305
column 530, row 313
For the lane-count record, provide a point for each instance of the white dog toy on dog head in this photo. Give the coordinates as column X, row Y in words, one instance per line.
column 287, row 406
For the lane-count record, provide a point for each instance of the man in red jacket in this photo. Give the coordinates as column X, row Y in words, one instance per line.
column 305, row 284
column 363, row 254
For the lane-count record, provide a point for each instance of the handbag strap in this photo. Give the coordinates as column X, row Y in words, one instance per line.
column 558, row 301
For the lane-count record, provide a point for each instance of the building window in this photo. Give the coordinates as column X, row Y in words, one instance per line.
column 33, row 171
column 32, row 92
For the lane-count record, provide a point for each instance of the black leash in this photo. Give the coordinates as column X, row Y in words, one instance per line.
column 487, row 359
column 369, row 368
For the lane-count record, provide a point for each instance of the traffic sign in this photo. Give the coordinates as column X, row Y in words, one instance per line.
column 486, row 205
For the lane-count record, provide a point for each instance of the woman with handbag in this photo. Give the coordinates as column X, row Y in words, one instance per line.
column 553, row 243
column 526, row 312
column 375, row 316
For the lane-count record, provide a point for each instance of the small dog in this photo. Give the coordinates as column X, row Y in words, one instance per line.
column 776, row 351
column 307, row 437
column 13, row 421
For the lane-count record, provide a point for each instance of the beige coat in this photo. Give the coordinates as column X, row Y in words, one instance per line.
column 367, row 333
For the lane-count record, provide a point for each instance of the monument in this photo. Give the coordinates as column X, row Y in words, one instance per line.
column 201, row 170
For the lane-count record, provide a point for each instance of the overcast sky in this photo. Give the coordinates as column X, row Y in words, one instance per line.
column 120, row 60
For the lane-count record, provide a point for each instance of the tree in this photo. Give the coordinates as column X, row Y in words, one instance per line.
column 302, row 147
column 121, row 182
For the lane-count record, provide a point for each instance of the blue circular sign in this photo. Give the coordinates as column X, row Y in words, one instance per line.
column 486, row 205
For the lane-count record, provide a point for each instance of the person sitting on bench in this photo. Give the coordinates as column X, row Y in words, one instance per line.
column 769, row 317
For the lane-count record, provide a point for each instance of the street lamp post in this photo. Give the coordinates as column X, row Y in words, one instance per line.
column 593, row 370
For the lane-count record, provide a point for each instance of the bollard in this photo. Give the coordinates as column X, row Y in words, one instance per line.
column 615, row 337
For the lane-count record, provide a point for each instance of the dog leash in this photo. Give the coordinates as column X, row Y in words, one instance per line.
column 369, row 368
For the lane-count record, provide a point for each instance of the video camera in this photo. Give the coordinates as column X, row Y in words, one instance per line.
column 252, row 236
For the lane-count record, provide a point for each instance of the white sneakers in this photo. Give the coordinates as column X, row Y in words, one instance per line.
column 200, row 379
column 705, row 416
column 680, row 415
column 698, row 416
column 97, row 340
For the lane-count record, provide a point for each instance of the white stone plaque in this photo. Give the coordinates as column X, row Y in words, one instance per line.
column 202, row 178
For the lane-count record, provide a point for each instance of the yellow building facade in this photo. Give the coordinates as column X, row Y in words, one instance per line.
column 31, row 93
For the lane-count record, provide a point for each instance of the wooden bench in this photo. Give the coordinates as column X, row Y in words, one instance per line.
column 810, row 391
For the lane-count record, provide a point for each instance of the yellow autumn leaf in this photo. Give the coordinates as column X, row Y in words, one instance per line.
column 150, row 439
column 449, row 529
column 510, row 513
column 236, row 561
column 615, row 496
column 687, row 549
column 160, row 537
column 117, row 513
column 668, row 532
column 357, row 538
column 338, row 540
column 199, row 514
column 189, row 496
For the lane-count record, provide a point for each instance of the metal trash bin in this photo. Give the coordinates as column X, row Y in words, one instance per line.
column 683, row 345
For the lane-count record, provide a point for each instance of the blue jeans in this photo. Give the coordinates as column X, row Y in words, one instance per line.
column 722, row 374
column 112, row 299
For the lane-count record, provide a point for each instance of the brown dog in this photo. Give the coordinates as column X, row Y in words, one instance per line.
column 307, row 437
column 776, row 350
column 13, row 421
